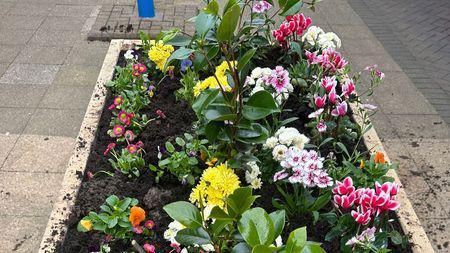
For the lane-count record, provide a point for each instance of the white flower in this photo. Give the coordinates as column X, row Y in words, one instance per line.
column 129, row 55
column 312, row 35
column 256, row 89
column 172, row 231
column 279, row 241
column 329, row 40
column 288, row 135
column 256, row 73
column 184, row 250
column 300, row 140
column 271, row 142
column 256, row 183
column 208, row 247
column 279, row 152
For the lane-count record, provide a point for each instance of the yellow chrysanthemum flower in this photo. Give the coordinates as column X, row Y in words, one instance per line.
column 211, row 81
column 215, row 185
column 159, row 53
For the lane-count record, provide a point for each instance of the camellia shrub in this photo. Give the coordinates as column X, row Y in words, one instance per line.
column 273, row 115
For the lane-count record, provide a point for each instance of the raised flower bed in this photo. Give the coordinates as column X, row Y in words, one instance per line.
column 226, row 123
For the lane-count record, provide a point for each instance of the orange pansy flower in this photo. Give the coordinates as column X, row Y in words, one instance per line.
column 137, row 215
column 379, row 158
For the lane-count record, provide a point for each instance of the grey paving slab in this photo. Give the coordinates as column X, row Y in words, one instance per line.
column 55, row 122
column 9, row 52
column 26, row 236
column 70, row 10
column 28, row 194
column 87, row 54
column 15, row 37
column 52, row 23
column 43, row 55
column 77, row 75
column 5, row 7
column 21, row 22
column 51, row 38
column 32, row 153
column 7, row 142
column 22, row 95
column 30, row 74
column 438, row 232
column 413, row 127
column 31, row 9
column 14, row 120
column 3, row 68
column 67, row 97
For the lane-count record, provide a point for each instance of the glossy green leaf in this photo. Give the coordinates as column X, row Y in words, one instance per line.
column 212, row 8
column 204, row 23
column 204, row 99
column 179, row 54
column 219, row 113
column 241, row 247
column 296, row 240
column 260, row 105
column 256, row 227
column 228, row 24
column 278, row 219
column 192, row 236
column 243, row 61
column 185, row 213
column 264, row 249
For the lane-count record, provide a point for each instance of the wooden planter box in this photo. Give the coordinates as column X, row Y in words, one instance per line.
column 56, row 227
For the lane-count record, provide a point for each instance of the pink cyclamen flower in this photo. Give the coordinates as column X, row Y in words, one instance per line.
column 320, row 101
column 321, row 126
column 332, row 96
column 160, row 114
column 132, row 148
column 109, row 148
column 340, row 110
column 328, row 83
column 129, row 135
column 315, row 114
column 118, row 130
column 149, row 224
column 344, row 187
column 345, row 201
column 361, row 216
column 311, row 56
column 348, row 88
column 138, row 230
column 149, row 248
column 118, row 100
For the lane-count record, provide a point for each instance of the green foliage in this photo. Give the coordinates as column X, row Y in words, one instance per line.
column 239, row 229
column 188, row 81
column 300, row 201
column 184, row 162
column 127, row 163
column 113, row 218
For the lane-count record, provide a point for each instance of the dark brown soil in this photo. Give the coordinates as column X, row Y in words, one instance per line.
column 152, row 197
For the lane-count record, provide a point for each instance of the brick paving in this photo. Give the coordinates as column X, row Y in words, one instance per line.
column 417, row 35
column 121, row 21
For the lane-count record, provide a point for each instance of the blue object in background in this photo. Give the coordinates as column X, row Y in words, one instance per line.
column 146, row 8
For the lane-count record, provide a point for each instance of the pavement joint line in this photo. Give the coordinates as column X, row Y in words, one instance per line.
column 90, row 21
column 31, row 172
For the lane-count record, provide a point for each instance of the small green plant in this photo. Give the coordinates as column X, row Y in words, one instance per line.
column 112, row 220
column 129, row 161
column 185, row 163
column 237, row 227
column 189, row 80
column 300, row 201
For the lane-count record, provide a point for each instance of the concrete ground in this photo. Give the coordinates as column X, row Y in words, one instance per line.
column 48, row 70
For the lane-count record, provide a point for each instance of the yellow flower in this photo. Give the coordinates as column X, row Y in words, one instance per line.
column 86, row 224
column 361, row 164
column 159, row 53
column 215, row 185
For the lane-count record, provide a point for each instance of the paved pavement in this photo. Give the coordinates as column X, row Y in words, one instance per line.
column 48, row 70
column 47, row 73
